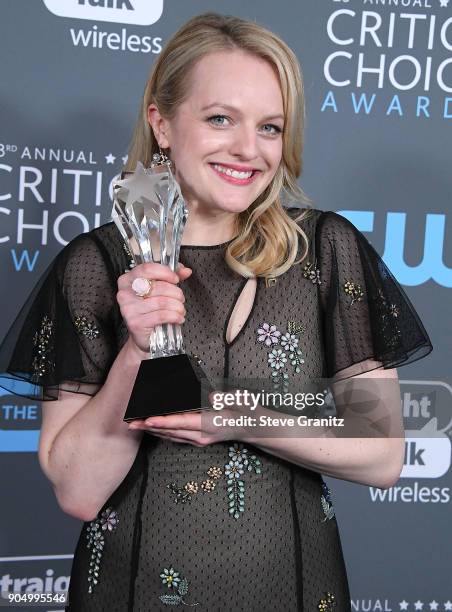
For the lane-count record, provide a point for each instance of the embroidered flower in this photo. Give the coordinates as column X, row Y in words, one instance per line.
column 214, row 472
column 170, row 577
column 327, row 504
column 354, row 290
column 268, row 334
column 312, row 273
column 190, row 489
column 85, row 327
column 208, row 485
column 238, row 454
column 327, row 603
column 95, row 531
column 233, row 472
column 43, row 342
column 176, row 582
column 389, row 326
column 277, row 359
column 233, row 469
column 289, row 342
column 293, row 327
column 296, row 359
column 109, row 519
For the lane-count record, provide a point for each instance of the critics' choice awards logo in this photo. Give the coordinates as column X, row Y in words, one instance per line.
column 388, row 61
column 136, row 12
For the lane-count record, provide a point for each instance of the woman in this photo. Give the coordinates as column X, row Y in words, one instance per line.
column 187, row 515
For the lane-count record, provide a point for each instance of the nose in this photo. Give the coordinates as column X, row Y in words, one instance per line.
column 245, row 144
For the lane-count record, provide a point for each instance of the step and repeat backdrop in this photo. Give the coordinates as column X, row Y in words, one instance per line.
column 378, row 79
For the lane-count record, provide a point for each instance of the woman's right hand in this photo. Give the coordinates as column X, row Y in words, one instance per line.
column 165, row 304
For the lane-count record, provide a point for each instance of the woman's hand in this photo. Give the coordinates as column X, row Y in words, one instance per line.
column 195, row 428
column 164, row 305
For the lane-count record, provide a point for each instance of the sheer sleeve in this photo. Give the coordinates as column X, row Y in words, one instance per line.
column 368, row 320
column 64, row 336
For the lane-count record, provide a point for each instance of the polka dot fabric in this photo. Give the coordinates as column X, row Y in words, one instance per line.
column 282, row 553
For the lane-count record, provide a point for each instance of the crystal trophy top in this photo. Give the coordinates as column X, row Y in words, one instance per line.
column 150, row 213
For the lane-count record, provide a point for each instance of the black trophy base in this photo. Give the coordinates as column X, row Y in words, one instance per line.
column 167, row 385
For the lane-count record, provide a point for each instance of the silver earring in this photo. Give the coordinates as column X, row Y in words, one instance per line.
column 160, row 159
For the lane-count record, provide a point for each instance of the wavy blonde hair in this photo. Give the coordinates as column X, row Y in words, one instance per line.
column 267, row 236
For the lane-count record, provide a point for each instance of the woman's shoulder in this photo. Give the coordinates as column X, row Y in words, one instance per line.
column 102, row 247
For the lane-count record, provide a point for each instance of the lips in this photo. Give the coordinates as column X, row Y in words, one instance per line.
column 237, row 175
column 237, row 167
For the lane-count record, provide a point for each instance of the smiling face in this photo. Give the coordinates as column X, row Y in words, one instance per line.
column 226, row 137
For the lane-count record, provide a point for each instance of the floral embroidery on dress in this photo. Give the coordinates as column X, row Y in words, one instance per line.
column 327, row 504
column 312, row 272
column 43, row 341
column 178, row 584
column 85, row 327
column 389, row 326
column 96, row 529
column 268, row 334
column 353, row 290
column 240, row 459
column 285, row 351
column 191, row 488
column 327, row 603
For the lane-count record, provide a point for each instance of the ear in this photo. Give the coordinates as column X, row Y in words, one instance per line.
column 159, row 126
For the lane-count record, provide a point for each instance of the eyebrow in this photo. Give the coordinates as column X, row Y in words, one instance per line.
column 236, row 110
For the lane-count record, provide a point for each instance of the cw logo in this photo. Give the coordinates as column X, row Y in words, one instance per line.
column 136, row 12
column 431, row 266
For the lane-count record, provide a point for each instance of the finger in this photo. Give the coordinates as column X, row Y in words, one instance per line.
column 170, row 438
column 185, row 420
column 159, row 302
column 185, row 434
column 148, row 270
column 127, row 295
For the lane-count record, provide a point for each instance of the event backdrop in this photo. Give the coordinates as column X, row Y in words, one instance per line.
column 378, row 78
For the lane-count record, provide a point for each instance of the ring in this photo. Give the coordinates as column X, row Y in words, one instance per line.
column 142, row 286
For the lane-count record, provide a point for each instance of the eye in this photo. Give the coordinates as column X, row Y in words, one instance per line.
column 272, row 129
column 218, row 120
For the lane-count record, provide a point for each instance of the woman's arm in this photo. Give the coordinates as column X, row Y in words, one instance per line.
column 85, row 447
column 368, row 460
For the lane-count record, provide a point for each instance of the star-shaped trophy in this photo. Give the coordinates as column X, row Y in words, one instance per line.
column 150, row 213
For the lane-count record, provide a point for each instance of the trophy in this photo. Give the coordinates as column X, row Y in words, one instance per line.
column 150, row 213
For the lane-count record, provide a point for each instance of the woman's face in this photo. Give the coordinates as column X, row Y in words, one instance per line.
column 226, row 137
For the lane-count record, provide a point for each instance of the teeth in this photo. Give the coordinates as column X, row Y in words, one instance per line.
column 234, row 173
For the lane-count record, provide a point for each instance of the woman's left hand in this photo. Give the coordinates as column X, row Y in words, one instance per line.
column 195, row 428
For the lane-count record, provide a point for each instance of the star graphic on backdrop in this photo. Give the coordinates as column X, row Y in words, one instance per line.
column 418, row 605
column 110, row 159
column 124, row 159
column 433, row 605
column 403, row 605
column 447, row 605
column 443, row 3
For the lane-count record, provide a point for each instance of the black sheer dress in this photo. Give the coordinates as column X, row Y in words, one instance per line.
column 227, row 526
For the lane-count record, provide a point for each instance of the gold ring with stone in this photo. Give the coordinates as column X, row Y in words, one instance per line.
column 142, row 286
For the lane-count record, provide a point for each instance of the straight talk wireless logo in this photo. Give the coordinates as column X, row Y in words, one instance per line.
column 428, row 450
column 133, row 12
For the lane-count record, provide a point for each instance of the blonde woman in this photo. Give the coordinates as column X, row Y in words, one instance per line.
column 268, row 288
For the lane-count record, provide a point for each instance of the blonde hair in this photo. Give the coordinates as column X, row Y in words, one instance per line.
column 267, row 237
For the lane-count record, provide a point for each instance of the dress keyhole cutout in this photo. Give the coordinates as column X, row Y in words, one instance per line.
column 242, row 310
